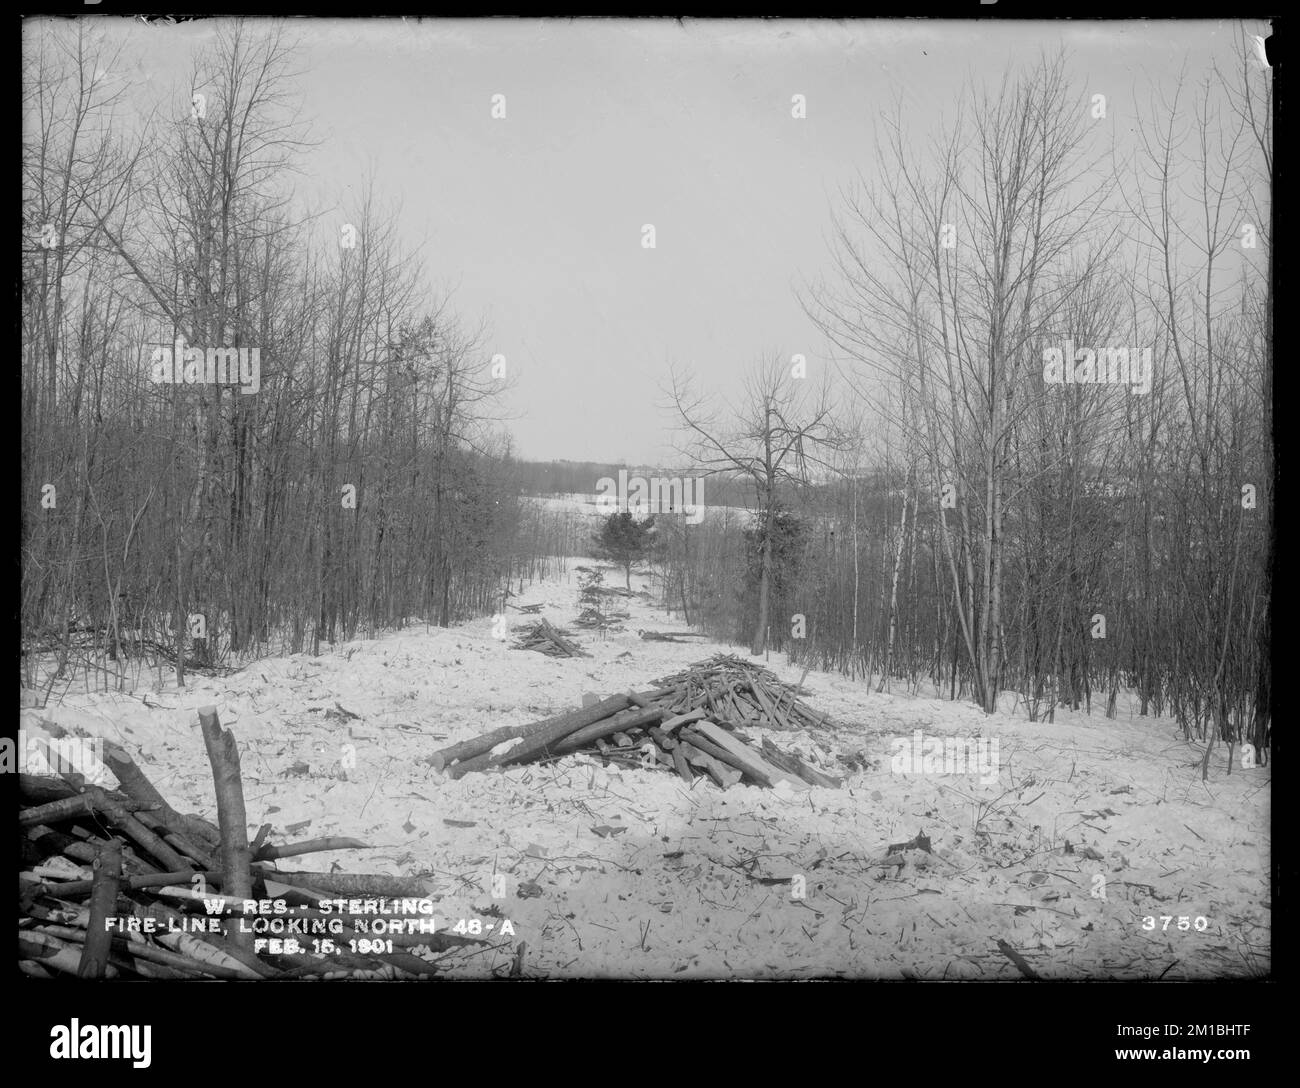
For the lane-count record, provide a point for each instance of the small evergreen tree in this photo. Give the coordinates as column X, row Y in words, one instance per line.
column 624, row 540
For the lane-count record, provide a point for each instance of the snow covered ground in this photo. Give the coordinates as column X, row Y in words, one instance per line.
column 1086, row 837
column 590, row 507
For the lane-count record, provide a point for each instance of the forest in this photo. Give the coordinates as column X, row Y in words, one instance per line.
column 1039, row 467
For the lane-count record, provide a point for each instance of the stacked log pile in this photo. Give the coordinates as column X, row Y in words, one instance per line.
column 740, row 692
column 685, row 724
column 115, row 883
column 545, row 639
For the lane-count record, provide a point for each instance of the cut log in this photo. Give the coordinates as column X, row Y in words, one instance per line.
column 795, row 765
column 539, row 743
column 619, row 723
column 232, row 818
column 722, row 755
column 661, row 738
column 134, row 782
column 755, row 765
column 773, row 716
column 683, row 768
column 126, row 822
column 38, row 789
column 721, row 774
column 48, row 841
column 485, row 743
column 103, row 905
column 683, row 719
column 78, row 804
column 200, row 854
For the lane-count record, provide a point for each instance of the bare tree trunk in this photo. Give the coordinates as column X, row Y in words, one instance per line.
column 893, row 598
column 765, row 581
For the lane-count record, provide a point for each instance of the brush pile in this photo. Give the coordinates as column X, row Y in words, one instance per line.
column 115, row 883
column 738, row 692
column 598, row 612
column 593, row 618
column 88, row 646
column 686, row 724
column 591, row 583
column 670, row 636
column 545, row 639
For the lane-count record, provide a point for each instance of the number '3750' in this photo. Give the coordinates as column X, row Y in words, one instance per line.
column 1200, row 923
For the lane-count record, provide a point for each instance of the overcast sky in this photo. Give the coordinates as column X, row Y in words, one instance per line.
column 535, row 220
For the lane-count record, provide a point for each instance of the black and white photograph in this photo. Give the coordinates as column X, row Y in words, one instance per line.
column 653, row 499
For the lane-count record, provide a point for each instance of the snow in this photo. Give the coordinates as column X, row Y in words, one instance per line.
column 596, row 508
column 613, row 873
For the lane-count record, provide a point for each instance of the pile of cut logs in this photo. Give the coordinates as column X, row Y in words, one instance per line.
column 740, row 692
column 685, row 724
column 545, row 639
column 115, row 883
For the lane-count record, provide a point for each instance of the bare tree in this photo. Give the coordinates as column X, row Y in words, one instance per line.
column 944, row 289
column 776, row 438
column 1198, row 211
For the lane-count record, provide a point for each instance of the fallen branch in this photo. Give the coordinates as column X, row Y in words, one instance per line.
column 310, row 846
column 1015, row 957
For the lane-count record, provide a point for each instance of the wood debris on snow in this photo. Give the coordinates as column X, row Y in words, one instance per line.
column 685, row 725
column 92, row 855
column 544, row 638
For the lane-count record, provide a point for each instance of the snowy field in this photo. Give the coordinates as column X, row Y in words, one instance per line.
column 1088, row 835
column 597, row 508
